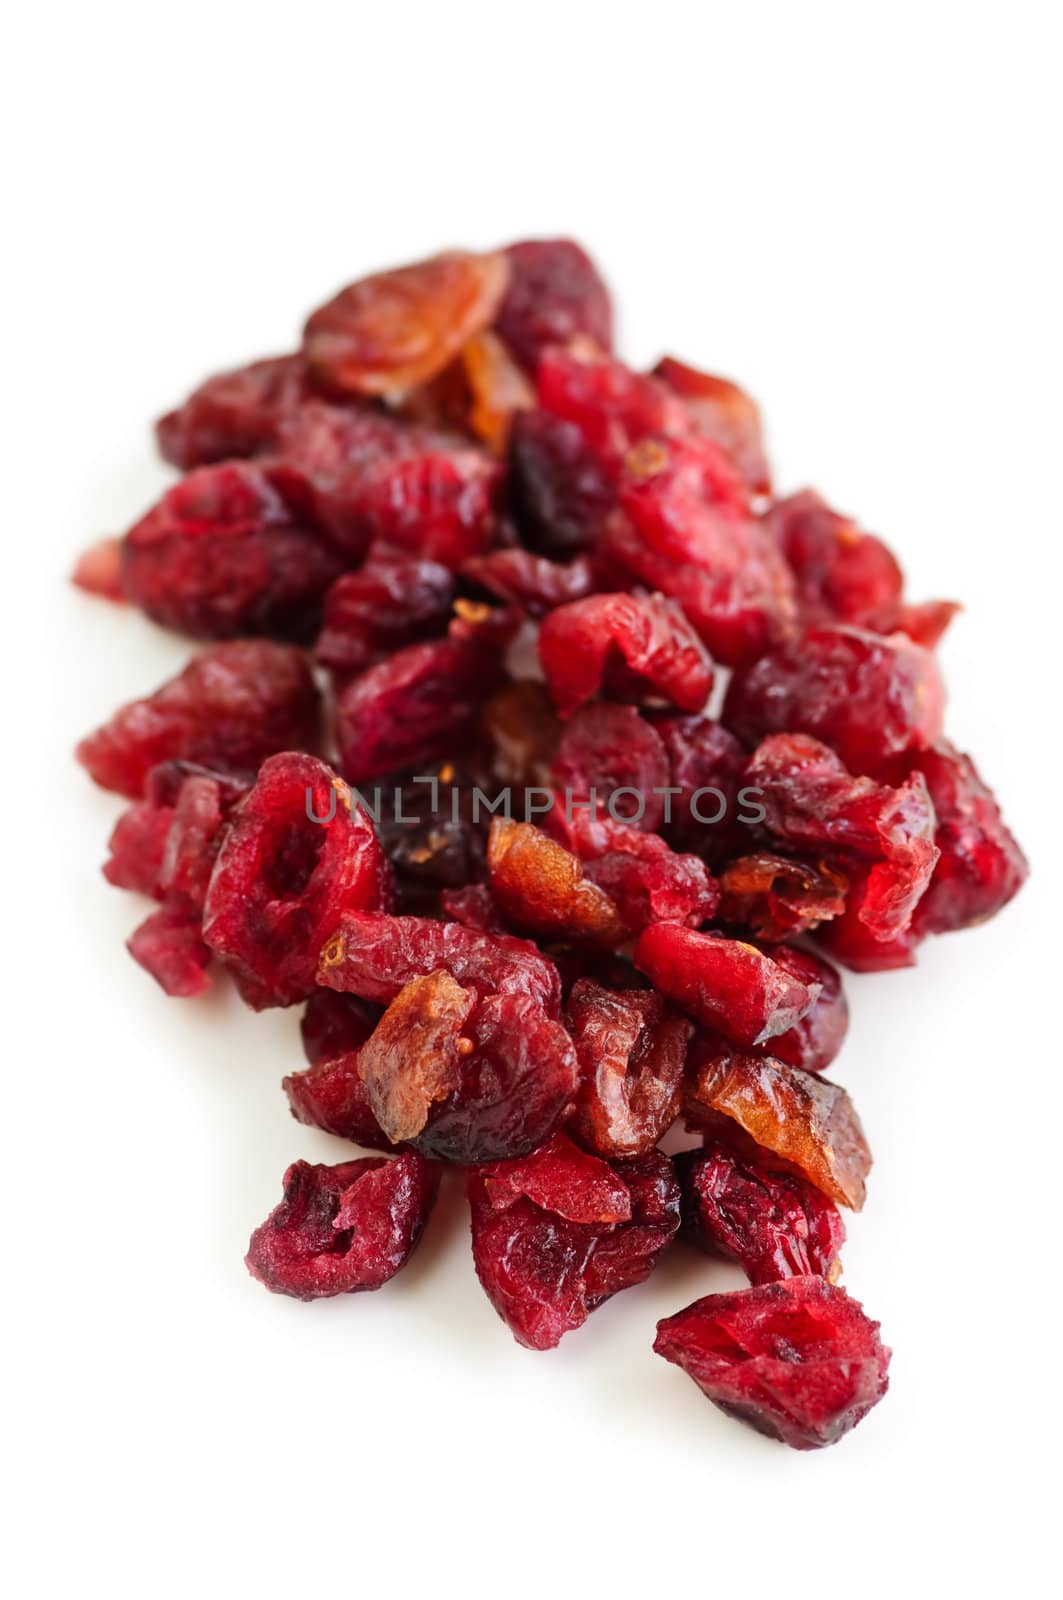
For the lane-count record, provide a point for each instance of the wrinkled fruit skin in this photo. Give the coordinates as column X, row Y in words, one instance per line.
column 632, row 1050
column 344, row 1228
column 798, row 1361
column 627, row 645
column 554, row 1239
column 330, row 1093
column 555, row 294
column 723, row 983
column 774, row 1224
column 231, row 706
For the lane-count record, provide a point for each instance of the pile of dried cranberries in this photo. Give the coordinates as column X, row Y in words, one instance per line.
column 444, row 775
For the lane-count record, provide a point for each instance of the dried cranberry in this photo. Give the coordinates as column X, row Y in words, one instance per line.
column 625, row 645
column 391, row 602
column 871, row 699
column 555, row 294
column 436, row 504
column 136, row 848
column 540, row 886
column 334, row 1025
column 612, row 406
column 798, row 1360
column 394, row 330
column 559, row 489
column 330, row 1093
column 296, row 858
column 842, row 573
column 529, row 581
column 169, row 945
column 542, row 1264
column 474, row 907
column 723, row 983
column 631, row 1050
column 643, row 876
column 812, row 1043
column 607, row 749
column 774, row 1224
column 232, row 414
column 234, row 703
column 707, row 766
column 523, row 730
column 723, row 412
column 777, row 898
column 222, row 553
column 343, row 1228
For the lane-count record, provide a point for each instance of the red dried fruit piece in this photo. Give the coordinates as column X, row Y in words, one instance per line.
column 843, row 574
column 777, row 898
column 606, row 749
column 612, row 406
column 474, row 907
column 811, row 800
column 437, row 504
column 802, row 1121
column 631, row 1050
column 871, row 699
column 981, row 867
column 419, row 704
column 687, row 530
column 561, row 1178
column 798, row 1361
column 539, row 885
column 330, row 1094
column 723, row 983
column 395, row 330
column 926, row 621
column 413, row 1058
column 374, row 957
column 232, row 414
column 169, row 945
column 850, row 941
column 625, row 645
column 99, row 570
column 723, row 412
column 530, row 581
column 812, row 1043
column 391, row 602
column 295, row 859
column 223, row 553
column 707, row 766
column 560, row 491
column 555, row 294
column 234, row 703
column 343, row 1228
column 543, row 1273
column 645, row 878
column 136, row 848
column 774, row 1224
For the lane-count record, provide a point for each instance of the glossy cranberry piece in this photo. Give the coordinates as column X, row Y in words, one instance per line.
column 606, row 749
column 812, row 1043
column 394, row 330
column 296, row 858
column 629, row 646
column 612, row 406
column 436, row 504
column 222, row 553
column 644, row 877
column 540, row 886
column 393, row 601
column 532, row 582
column 799, row 1360
column 722, row 983
column 724, row 413
column 555, row 293
column 543, row 1265
column 775, row 1224
column 343, row 1228
column 631, row 1049
column 412, row 1059
column 842, row 573
column 870, row 699
column 232, row 414
column 233, row 704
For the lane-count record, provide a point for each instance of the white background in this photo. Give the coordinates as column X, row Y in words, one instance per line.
column 852, row 210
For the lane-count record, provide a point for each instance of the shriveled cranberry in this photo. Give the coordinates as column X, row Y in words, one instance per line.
column 560, row 491
column 232, row 414
column 223, row 553
column 169, row 945
column 812, row 802
column 775, row 1224
column 343, row 1228
column 436, row 504
column 474, row 907
column 631, row 1049
column 687, row 530
column 234, row 704
column 612, row 406
column 334, row 1025
column 391, row 602
column 812, row 1043
column 99, row 570
column 295, row 859
column 776, row 897
column 555, row 294
column 798, row 1360
column 413, row 1057
column 544, row 1271
column 625, row 645
column 800, row 1120
column 871, row 699
column 330, row 1093
column 540, row 886
column 394, row 330
column 417, row 705
column 375, row 956
column 724, row 413
column 722, row 983
column 532, row 582
column 843, row 574
column 850, row 940
column 647, row 880
column 136, row 848
column 707, row 767
column 607, row 749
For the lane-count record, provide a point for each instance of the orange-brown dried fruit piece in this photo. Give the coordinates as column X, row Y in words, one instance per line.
column 394, row 330
column 631, row 1049
column 540, row 885
column 413, row 1057
column 805, row 1122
